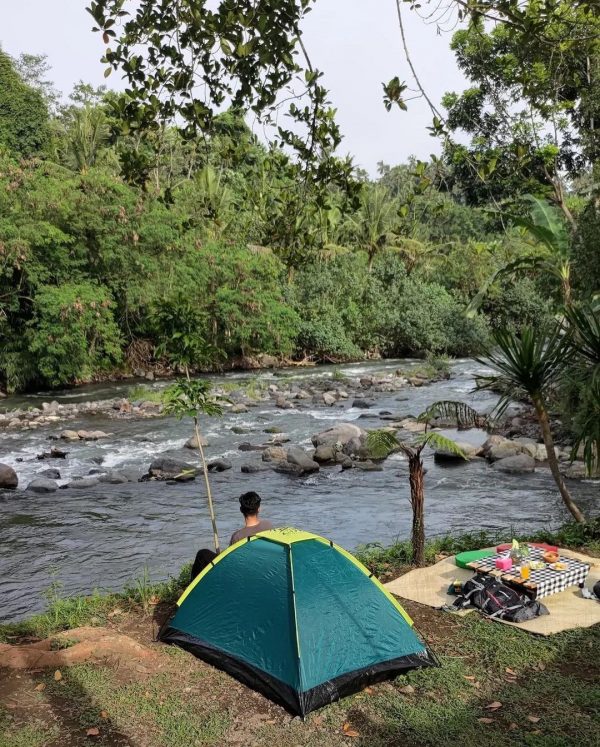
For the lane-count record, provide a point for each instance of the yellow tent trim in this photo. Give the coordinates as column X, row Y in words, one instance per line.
column 288, row 536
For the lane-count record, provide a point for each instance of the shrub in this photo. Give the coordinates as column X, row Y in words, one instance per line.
column 73, row 333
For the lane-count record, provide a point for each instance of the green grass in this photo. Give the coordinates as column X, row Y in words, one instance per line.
column 147, row 394
column 13, row 734
column 65, row 613
column 386, row 561
column 158, row 707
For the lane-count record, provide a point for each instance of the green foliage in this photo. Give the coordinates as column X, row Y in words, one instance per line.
column 73, row 332
column 24, row 128
column 186, row 398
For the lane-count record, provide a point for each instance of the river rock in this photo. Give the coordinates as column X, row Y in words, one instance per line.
column 52, row 454
column 412, row 425
column 518, row 464
column 69, row 435
column 298, row 456
column 171, row 468
column 246, row 446
column 113, row 478
column 192, row 443
column 42, row 485
column 329, row 398
column 274, row 454
column 362, row 404
column 325, row 454
column 91, row 435
column 251, row 469
column 287, row 468
column 84, row 482
column 219, row 465
column 283, row 404
column 240, row 429
column 239, row 408
column 272, row 429
column 8, row 477
column 280, row 438
column 51, row 474
column 367, row 466
column 504, row 451
column 341, row 434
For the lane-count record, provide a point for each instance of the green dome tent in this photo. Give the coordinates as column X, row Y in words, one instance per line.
column 297, row 618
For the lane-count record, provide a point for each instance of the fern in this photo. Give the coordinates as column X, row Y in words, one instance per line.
column 382, row 443
column 463, row 414
column 437, row 441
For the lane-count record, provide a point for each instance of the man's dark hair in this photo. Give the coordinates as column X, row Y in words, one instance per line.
column 249, row 503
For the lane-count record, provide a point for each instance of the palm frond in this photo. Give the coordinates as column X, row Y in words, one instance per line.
column 461, row 412
column 437, row 441
column 530, row 360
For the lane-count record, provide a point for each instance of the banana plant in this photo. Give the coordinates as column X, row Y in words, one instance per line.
column 547, row 228
column 381, row 443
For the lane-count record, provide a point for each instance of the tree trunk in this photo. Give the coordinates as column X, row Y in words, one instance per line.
column 211, row 508
column 417, row 500
column 553, row 462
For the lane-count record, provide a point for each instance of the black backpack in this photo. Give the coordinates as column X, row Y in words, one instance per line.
column 497, row 600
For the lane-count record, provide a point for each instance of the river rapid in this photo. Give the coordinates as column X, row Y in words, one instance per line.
column 105, row 536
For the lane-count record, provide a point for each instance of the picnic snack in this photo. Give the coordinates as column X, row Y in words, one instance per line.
column 550, row 557
column 558, row 566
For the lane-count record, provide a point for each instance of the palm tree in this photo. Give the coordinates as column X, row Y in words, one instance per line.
column 382, row 443
column 531, row 363
column 87, row 136
column 372, row 225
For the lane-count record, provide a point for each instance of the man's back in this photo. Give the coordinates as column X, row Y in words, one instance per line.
column 244, row 532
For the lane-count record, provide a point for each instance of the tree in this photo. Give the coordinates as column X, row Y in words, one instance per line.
column 23, row 113
column 371, row 227
column 530, row 364
column 187, row 398
column 382, row 443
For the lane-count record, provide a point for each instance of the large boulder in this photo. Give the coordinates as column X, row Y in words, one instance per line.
column 297, row 456
column 69, row 435
column 192, row 443
column 8, row 477
column 329, row 398
column 91, row 435
column 325, row 454
column 518, row 464
column 342, row 434
column 239, row 408
column 171, row 468
column 42, row 485
column 251, row 469
column 274, row 454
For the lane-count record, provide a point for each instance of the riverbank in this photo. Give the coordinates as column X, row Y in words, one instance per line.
column 493, row 680
column 96, row 525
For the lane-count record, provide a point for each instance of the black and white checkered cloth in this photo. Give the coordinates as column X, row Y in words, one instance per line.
column 540, row 583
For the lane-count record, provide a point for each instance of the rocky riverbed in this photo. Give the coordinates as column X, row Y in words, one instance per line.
column 95, row 489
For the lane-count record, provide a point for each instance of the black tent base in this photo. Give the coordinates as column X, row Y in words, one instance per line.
column 297, row 703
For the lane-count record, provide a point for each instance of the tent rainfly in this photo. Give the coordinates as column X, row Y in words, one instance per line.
column 297, row 618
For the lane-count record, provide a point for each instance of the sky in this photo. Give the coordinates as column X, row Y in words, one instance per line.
column 356, row 43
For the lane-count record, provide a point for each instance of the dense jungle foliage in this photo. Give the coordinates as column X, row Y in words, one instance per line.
column 118, row 236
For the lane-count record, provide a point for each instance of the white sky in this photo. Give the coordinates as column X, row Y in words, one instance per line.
column 355, row 42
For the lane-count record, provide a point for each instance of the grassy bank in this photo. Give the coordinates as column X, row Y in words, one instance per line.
column 63, row 613
column 495, row 683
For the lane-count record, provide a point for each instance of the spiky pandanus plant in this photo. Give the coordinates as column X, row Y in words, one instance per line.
column 531, row 363
column 382, row 443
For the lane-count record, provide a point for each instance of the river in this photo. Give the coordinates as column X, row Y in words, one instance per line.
column 105, row 536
